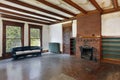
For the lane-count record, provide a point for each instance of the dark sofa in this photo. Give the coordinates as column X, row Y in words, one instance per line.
column 25, row 51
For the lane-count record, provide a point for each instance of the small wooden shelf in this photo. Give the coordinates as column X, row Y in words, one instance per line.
column 72, row 46
column 110, row 40
column 111, row 48
column 116, row 45
column 111, row 54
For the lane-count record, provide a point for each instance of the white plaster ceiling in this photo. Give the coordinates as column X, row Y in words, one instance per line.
column 85, row 4
column 64, row 5
column 38, row 4
column 105, row 4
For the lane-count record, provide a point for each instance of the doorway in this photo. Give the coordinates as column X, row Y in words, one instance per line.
column 67, row 34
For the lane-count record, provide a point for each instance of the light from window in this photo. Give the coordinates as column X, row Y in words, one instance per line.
column 35, row 37
column 13, row 37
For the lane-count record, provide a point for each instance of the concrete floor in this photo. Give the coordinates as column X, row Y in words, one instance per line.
column 51, row 65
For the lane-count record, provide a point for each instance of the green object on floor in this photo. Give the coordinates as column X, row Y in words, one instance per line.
column 54, row 47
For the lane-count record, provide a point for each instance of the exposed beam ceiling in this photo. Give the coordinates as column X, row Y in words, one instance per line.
column 72, row 18
column 111, row 10
column 22, row 19
column 25, row 11
column 56, row 7
column 96, row 5
column 36, row 8
column 75, row 5
column 115, row 3
column 54, row 11
column 10, row 12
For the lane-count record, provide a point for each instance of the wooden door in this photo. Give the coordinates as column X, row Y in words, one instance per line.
column 67, row 34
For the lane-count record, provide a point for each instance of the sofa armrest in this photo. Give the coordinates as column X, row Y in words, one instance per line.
column 13, row 52
column 41, row 49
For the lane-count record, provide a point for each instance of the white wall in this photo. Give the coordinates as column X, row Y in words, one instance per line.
column 26, row 42
column 56, row 32
column 26, row 35
column 1, row 30
column 46, row 38
column 74, row 28
column 111, row 24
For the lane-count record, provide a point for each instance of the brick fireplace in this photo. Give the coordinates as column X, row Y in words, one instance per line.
column 90, row 47
column 88, row 41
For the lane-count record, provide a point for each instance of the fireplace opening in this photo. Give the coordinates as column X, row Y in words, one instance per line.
column 87, row 53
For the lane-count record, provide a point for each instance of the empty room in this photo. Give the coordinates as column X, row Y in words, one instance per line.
column 59, row 39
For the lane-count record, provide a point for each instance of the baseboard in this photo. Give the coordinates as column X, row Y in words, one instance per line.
column 112, row 61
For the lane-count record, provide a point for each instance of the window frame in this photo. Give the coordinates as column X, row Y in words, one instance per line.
column 11, row 23
column 35, row 27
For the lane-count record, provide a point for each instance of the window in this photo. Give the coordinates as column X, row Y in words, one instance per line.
column 35, row 35
column 12, row 35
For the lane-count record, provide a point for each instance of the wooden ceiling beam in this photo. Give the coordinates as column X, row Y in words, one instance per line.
column 111, row 10
column 9, row 12
column 71, row 19
column 28, row 12
column 75, row 5
column 22, row 19
column 56, row 7
column 36, row 8
column 96, row 5
column 115, row 3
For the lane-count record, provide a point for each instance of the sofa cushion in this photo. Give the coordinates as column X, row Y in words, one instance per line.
column 36, row 50
column 34, row 47
column 18, row 49
column 19, row 52
column 23, row 52
column 26, row 48
column 27, row 51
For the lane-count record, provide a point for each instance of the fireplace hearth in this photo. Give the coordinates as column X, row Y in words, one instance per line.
column 88, row 48
column 87, row 53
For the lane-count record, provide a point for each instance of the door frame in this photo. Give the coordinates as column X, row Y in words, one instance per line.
column 65, row 25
